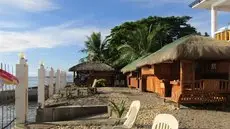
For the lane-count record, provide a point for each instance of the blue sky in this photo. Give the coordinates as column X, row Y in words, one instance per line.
column 54, row 31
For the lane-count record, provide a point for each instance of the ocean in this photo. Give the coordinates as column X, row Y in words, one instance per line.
column 33, row 81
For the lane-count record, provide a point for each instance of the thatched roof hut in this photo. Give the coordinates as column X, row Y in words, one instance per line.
column 91, row 66
column 85, row 73
column 190, row 47
column 132, row 66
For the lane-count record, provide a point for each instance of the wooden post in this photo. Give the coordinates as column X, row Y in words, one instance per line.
column 51, row 82
column 193, row 74
column 181, row 75
column 21, row 91
column 228, row 75
column 228, row 35
column 181, row 83
column 225, row 35
column 74, row 75
column 41, row 85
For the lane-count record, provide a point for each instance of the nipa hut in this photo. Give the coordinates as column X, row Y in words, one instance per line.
column 85, row 73
column 132, row 73
column 193, row 69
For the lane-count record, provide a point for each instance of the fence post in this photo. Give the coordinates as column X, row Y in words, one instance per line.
column 61, row 79
column 65, row 81
column 21, row 91
column 51, row 82
column 41, row 85
column 57, row 86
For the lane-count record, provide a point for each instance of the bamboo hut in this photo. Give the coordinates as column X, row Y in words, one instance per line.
column 193, row 69
column 132, row 74
column 85, row 73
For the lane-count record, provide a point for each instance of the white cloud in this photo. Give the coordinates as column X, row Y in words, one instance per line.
column 30, row 5
column 47, row 37
column 9, row 24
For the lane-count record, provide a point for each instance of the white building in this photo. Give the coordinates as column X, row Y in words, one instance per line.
column 215, row 6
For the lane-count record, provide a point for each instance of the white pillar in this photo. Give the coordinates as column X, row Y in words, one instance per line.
column 65, row 81
column 51, row 82
column 213, row 21
column 21, row 91
column 61, row 80
column 57, row 85
column 41, row 85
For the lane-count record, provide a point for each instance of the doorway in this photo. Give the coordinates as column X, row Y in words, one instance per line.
column 168, row 89
column 144, row 83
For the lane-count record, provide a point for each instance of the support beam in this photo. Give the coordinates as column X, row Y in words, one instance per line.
column 213, row 21
column 74, row 75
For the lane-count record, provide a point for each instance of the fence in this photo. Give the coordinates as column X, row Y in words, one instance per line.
column 14, row 99
column 7, row 101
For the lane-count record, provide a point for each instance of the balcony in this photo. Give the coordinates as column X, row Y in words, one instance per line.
column 207, row 85
column 207, row 4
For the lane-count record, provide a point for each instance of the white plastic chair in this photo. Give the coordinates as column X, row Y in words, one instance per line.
column 136, row 102
column 131, row 116
column 93, row 88
column 94, row 83
column 165, row 121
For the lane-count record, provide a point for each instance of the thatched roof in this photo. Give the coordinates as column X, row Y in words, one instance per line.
column 190, row 47
column 91, row 66
column 132, row 66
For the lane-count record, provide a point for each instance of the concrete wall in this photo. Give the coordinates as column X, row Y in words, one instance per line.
column 32, row 94
column 68, row 112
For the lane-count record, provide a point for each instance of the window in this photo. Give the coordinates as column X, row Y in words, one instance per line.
column 213, row 66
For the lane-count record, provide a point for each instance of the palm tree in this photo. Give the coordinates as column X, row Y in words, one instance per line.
column 94, row 47
column 143, row 41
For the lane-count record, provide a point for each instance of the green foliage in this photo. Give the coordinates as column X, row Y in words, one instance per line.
column 118, row 108
column 131, row 40
column 100, row 83
column 94, row 47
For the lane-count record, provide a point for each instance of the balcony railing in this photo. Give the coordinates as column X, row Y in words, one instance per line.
column 195, row 3
column 207, row 85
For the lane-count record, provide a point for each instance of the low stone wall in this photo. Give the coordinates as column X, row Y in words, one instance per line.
column 63, row 113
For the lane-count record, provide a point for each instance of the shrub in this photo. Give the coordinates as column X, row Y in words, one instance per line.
column 100, row 83
column 118, row 108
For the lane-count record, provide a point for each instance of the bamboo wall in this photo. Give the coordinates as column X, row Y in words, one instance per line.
column 158, row 75
column 225, row 35
column 133, row 82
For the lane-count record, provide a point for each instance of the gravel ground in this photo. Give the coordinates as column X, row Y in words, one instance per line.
column 151, row 105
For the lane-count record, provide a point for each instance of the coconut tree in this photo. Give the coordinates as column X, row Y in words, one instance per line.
column 140, row 42
column 94, row 47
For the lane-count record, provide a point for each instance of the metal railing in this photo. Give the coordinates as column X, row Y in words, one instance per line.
column 7, row 101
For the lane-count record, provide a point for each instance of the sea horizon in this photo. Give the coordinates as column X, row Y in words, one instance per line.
column 33, row 80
